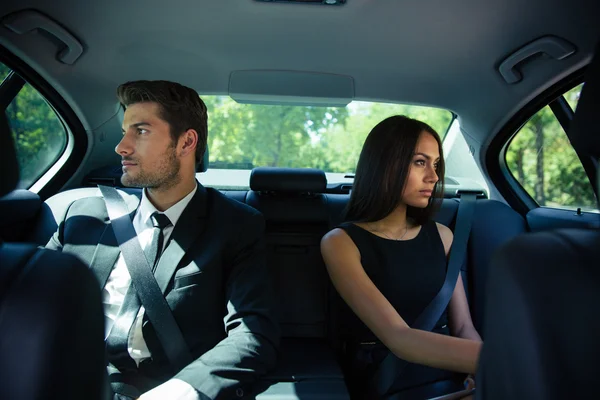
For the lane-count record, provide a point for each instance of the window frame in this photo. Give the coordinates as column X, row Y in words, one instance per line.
column 57, row 175
column 564, row 114
column 495, row 160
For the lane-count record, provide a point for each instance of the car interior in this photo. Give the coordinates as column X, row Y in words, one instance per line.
column 509, row 76
column 50, row 310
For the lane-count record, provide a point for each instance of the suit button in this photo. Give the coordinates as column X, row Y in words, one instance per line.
column 239, row 392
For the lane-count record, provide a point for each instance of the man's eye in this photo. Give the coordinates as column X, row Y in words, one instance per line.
column 142, row 131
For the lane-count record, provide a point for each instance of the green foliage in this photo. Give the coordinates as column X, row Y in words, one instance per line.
column 330, row 138
column 244, row 136
column 341, row 145
column 38, row 133
column 542, row 159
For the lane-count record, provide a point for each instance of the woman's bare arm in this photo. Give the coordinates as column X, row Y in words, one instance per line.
column 460, row 321
column 342, row 259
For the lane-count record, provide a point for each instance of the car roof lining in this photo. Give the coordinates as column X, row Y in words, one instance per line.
column 436, row 53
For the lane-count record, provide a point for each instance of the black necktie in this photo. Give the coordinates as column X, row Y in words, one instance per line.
column 116, row 343
column 153, row 250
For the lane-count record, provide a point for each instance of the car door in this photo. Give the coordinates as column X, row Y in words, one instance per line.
column 538, row 170
column 46, row 149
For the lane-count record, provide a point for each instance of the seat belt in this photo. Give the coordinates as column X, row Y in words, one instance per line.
column 391, row 367
column 167, row 331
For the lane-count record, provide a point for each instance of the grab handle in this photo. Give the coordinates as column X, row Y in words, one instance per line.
column 553, row 46
column 22, row 22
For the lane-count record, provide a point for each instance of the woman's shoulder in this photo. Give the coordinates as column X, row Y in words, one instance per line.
column 446, row 235
column 338, row 236
column 343, row 230
column 346, row 236
column 337, row 244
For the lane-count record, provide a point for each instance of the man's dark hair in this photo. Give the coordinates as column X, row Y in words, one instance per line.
column 383, row 168
column 180, row 107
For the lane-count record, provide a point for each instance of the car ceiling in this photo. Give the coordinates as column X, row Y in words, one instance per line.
column 435, row 52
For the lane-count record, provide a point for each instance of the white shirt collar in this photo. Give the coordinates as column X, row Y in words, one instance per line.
column 146, row 208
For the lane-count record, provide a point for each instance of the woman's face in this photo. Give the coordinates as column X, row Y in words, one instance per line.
column 422, row 175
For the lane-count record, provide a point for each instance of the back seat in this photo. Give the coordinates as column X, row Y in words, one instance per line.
column 298, row 213
column 293, row 204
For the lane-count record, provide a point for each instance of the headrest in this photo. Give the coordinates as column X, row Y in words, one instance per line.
column 298, row 180
column 202, row 166
column 9, row 166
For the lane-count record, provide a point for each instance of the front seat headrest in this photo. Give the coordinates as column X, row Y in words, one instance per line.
column 8, row 158
column 290, row 180
column 202, row 165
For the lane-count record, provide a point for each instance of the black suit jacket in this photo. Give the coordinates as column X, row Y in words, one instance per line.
column 214, row 278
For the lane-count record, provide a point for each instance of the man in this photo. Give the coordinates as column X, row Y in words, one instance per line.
column 219, row 289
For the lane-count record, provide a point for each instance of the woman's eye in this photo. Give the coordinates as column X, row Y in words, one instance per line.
column 420, row 163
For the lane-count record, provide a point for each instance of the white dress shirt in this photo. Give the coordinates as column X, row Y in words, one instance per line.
column 119, row 281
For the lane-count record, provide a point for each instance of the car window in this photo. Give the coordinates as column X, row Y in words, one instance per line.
column 542, row 160
column 244, row 136
column 39, row 134
column 4, row 71
column 572, row 96
column 462, row 172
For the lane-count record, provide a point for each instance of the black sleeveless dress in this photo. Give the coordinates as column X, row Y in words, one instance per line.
column 409, row 273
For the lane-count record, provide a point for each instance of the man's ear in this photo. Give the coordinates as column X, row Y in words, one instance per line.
column 188, row 141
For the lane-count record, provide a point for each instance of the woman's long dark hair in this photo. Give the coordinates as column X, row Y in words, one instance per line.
column 383, row 169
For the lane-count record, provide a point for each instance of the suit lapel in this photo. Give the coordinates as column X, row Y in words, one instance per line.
column 108, row 250
column 189, row 226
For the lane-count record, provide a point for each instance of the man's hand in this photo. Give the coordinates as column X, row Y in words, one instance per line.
column 174, row 389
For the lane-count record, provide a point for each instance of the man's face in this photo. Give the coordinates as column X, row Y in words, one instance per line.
column 148, row 154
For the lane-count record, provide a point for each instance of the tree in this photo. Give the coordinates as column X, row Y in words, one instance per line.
column 544, row 162
column 261, row 135
column 329, row 138
column 39, row 135
column 342, row 145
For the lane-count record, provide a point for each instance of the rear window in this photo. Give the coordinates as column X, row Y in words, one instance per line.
column 245, row 136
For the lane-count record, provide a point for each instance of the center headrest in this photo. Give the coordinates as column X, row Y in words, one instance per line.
column 298, row 180
column 9, row 166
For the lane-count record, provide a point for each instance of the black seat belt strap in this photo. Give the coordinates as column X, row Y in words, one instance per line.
column 390, row 368
column 167, row 331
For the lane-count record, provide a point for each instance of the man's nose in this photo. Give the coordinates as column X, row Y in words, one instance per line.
column 125, row 146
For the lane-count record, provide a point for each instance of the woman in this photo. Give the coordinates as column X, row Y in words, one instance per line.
column 388, row 261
